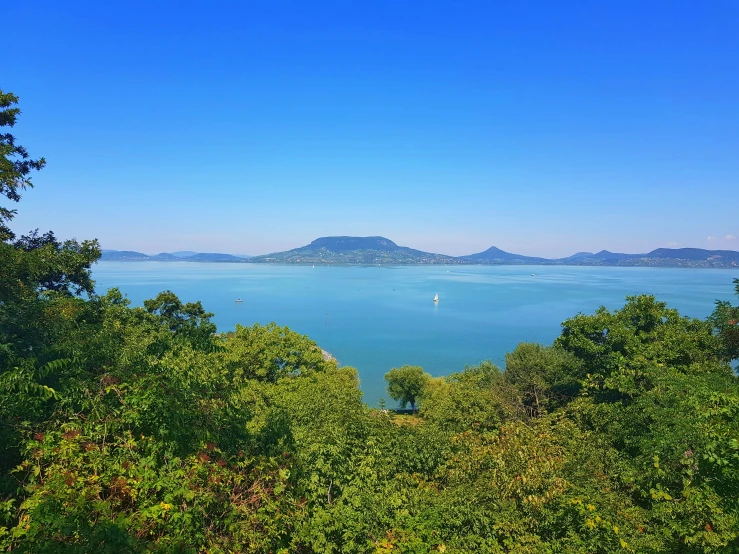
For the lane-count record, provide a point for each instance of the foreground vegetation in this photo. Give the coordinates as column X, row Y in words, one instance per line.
column 139, row 429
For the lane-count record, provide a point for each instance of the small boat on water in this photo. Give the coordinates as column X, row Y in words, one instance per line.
column 238, row 300
column 436, row 298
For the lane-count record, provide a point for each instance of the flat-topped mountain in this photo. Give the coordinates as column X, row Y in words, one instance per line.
column 355, row 250
column 343, row 244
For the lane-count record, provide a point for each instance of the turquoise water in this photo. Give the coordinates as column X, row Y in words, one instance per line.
column 376, row 318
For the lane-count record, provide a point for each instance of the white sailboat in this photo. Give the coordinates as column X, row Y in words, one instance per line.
column 436, row 298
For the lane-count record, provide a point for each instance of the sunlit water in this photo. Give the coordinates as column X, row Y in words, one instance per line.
column 376, row 318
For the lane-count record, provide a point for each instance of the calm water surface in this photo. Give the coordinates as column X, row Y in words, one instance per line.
column 376, row 318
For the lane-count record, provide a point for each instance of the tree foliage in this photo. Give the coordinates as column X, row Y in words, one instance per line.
column 15, row 162
column 407, row 384
column 725, row 320
column 475, row 398
column 545, row 377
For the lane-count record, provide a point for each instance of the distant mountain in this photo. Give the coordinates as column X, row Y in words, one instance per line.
column 123, row 256
column 495, row 255
column 131, row 256
column 614, row 256
column 355, row 250
column 165, row 257
column 212, row 257
column 661, row 257
column 685, row 257
column 380, row 250
column 695, row 254
column 604, row 257
column 346, row 244
column 579, row 256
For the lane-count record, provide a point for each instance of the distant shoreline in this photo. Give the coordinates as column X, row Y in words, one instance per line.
column 688, row 264
column 379, row 251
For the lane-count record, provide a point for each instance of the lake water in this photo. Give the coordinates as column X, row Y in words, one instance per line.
column 376, row 318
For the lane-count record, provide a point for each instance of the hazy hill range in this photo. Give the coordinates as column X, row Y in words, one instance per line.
column 603, row 256
column 380, row 250
column 661, row 257
column 355, row 250
column 123, row 256
column 187, row 256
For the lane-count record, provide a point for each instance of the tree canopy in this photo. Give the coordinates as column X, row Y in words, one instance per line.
column 725, row 320
column 406, row 384
column 16, row 164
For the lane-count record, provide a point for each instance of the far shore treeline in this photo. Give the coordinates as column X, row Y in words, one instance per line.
column 143, row 429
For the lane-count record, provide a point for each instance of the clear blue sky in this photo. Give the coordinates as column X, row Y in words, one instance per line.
column 544, row 128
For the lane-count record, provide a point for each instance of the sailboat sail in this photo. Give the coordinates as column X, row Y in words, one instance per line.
column 436, row 298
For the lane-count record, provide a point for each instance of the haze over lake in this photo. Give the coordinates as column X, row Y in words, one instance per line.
column 376, row 318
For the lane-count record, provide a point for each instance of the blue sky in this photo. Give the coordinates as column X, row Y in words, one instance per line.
column 543, row 128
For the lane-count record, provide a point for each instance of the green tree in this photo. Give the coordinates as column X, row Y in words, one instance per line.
column 15, row 162
column 725, row 320
column 475, row 398
column 543, row 375
column 188, row 320
column 407, row 384
column 39, row 275
column 270, row 353
column 660, row 395
column 632, row 344
column 34, row 263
